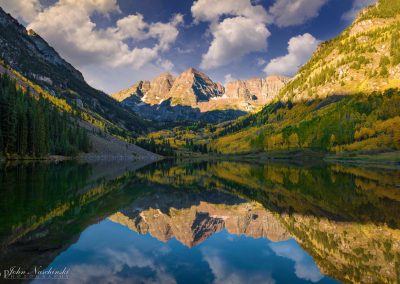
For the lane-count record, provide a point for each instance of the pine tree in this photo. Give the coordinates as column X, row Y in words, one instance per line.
column 22, row 130
column 29, row 126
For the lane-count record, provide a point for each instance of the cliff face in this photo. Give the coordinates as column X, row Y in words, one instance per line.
column 192, row 87
column 134, row 90
column 196, row 218
column 158, row 89
column 257, row 91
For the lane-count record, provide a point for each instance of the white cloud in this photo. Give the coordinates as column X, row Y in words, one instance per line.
column 25, row 11
column 165, row 64
column 242, row 30
column 300, row 49
column 295, row 12
column 111, row 270
column 166, row 32
column 357, row 6
column 304, row 266
column 101, row 6
column 68, row 27
column 212, row 10
column 132, row 26
column 234, row 38
column 226, row 272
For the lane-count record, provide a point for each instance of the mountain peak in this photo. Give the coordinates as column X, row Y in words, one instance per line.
column 191, row 70
column 17, row 44
column 194, row 72
column 164, row 75
column 193, row 86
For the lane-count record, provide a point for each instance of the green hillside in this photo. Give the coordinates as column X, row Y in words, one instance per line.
column 364, row 58
column 345, row 99
column 337, row 124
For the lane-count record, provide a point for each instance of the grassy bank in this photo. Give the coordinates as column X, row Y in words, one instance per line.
column 309, row 157
column 392, row 158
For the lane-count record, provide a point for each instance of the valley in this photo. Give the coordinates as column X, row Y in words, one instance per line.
column 202, row 141
column 344, row 102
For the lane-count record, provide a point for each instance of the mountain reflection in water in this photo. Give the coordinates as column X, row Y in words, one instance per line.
column 202, row 222
column 192, row 218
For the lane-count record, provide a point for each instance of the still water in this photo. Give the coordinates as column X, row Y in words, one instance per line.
column 199, row 222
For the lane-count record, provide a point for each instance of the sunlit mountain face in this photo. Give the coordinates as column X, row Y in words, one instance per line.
column 212, row 221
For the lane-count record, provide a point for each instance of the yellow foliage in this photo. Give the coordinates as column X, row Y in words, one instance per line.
column 274, row 141
column 381, row 134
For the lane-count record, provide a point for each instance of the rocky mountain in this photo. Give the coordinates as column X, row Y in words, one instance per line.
column 151, row 92
column 25, row 52
column 192, row 87
column 193, row 95
column 158, row 89
column 196, row 217
column 258, row 91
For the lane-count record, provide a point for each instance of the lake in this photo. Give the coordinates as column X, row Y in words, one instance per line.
column 199, row 222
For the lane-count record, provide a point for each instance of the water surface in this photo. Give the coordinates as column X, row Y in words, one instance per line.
column 201, row 222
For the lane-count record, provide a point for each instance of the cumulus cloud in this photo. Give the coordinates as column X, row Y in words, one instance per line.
column 101, row 6
column 115, row 266
column 295, row 12
column 300, row 49
column 25, row 11
column 166, row 32
column 212, row 10
column 132, row 26
column 68, row 26
column 227, row 272
column 357, row 6
column 238, row 27
column 165, row 64
column 234, row 38
column 304, row 265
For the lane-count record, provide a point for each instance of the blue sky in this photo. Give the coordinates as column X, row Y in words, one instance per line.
column 118, row 42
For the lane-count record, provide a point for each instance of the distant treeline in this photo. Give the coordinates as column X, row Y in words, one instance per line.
column 33, row 127
column 191, row 146
column 163, row 148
